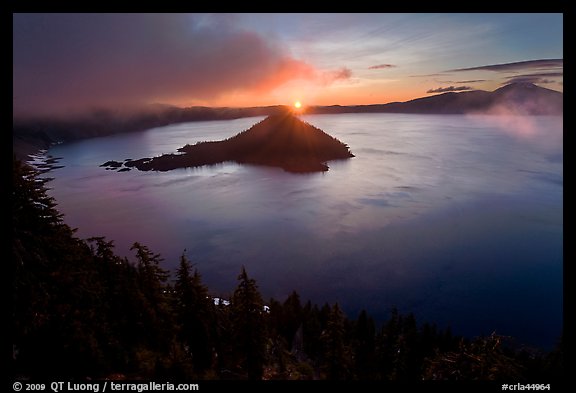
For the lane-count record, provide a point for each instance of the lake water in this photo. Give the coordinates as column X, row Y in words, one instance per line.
column 458, row 219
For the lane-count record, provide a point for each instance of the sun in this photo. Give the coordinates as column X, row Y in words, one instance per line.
column 297, row 105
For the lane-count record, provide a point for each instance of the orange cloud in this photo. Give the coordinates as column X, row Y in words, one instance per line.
column 285, row 70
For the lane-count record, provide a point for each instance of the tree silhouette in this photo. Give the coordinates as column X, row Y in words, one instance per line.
column 336, row 350
column 248, row 321
column 483, row 359
column 79, row 310
column 364, row 346
column 156, row 314
column 195, row 314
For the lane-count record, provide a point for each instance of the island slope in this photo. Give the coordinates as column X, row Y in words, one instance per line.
column 281, row 140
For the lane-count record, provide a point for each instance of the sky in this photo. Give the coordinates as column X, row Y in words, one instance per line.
column 68, row 63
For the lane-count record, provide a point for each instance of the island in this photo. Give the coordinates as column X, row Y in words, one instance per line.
column 281, row 140
column 30, row 135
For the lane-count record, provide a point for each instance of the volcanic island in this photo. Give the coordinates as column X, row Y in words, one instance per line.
column 280, row 140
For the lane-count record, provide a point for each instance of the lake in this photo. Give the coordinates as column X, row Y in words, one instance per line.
column 458, row 219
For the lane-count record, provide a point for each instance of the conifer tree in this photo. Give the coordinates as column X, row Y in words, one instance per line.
column 482, row 359
column 291, row 316
column 157, row 313
column 364, row 346
column 248, row 322
column 194, row 314
column 311, row 331
column 336, row 352
column 54, row 278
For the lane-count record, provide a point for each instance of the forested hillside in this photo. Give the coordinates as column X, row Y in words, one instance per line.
column 81, row 311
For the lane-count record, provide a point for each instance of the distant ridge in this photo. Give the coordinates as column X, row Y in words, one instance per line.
column 514, row 98
column 31, row 135
column 281, row 140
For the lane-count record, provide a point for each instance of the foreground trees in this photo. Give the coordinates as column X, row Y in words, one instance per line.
column 79, row 310
column 195, row 315
column 247, row 310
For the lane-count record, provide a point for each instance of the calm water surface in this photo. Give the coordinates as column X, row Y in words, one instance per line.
column 458, row 219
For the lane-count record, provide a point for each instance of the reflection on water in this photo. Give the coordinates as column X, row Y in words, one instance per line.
column 456, row 218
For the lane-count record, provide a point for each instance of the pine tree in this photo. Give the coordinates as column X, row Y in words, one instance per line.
column 277, row 352
column 157, row 314
column 248, row 323
column 224, row 340
column 407, row 364
column 386, row 346
column 336, row 351
column 483, row 359
column 57, row 328
column 153, row 276
column 291, row 316
column 364, row 348
column 194, row 314
column 311, row 331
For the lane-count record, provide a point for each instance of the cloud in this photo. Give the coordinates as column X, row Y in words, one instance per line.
column 470, row 81
column 381, row 66
column 534, row 78
column 519, row 65
column 329, row 77
column 449, row 89
column 527, row 79
column 427, row 75
column 74, row 61
column 461, row 82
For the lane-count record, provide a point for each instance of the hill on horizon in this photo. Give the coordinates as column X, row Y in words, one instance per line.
column 512, row 99
column 31, row 135
column 519, row 99
column 280, row 140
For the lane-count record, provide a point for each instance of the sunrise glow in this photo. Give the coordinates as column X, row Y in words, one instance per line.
column 346, row 59
column 378, row 196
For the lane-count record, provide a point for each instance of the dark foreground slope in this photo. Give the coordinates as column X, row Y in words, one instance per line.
column 82, row 313
column 281, row 140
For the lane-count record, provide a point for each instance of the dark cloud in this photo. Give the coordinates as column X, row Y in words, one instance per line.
column 449, row 89
column 381, row 66
column 541, row 77
column 329, row 77
column 73, row 61
column 427, row 75
column 462, row 82
column 471, row 81
column 516, row 66
column 527, row 79
column 538, row 75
